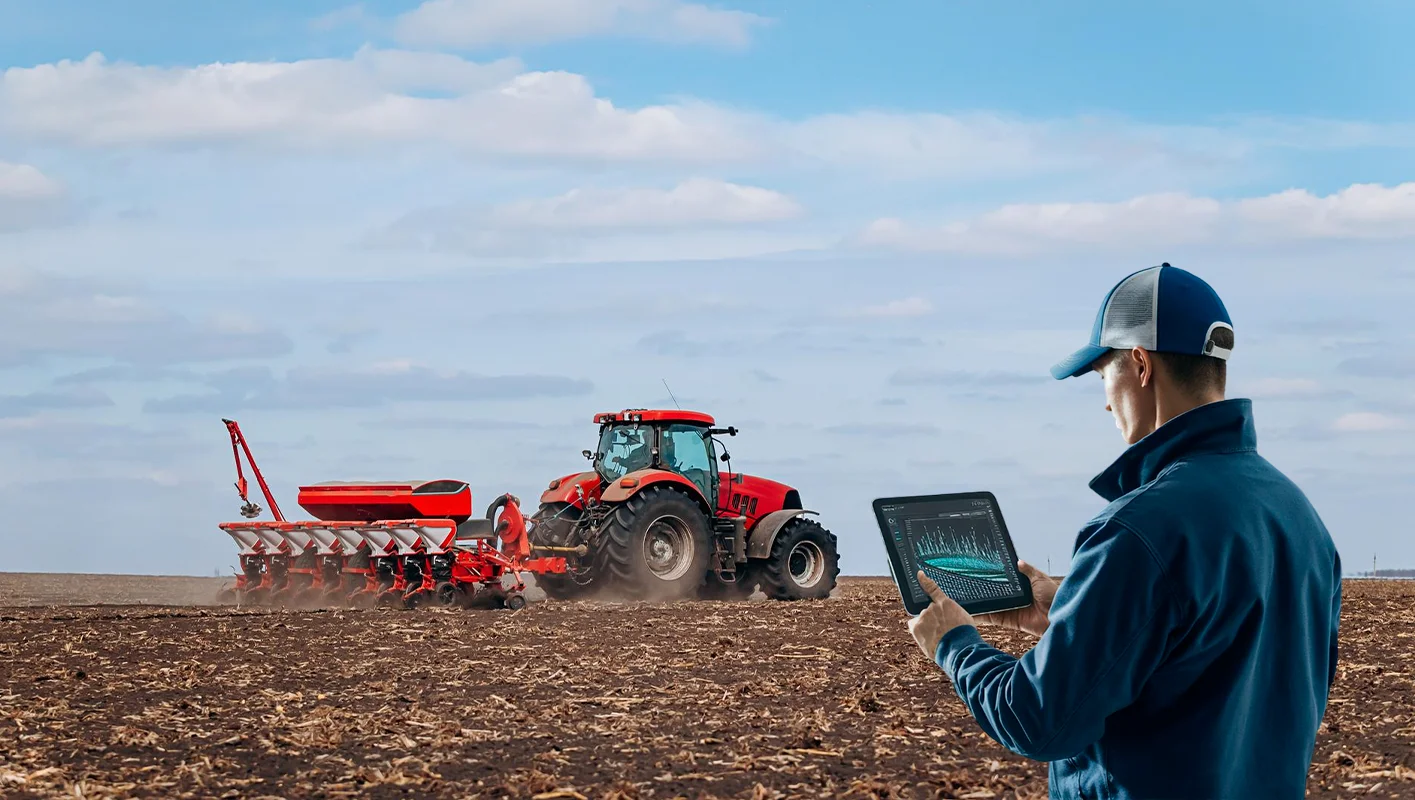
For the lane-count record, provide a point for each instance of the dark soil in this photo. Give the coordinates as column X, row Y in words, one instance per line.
column 750, row 699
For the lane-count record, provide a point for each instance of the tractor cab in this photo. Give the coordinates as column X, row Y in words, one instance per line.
column 678, row 441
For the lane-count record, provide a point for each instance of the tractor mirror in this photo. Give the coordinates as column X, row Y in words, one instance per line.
column 726, row 457
column 587, row 454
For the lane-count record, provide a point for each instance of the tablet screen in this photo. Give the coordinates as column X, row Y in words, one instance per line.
column 961, row 543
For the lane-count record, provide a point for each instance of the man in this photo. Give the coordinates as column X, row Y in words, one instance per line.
column 1190, row 650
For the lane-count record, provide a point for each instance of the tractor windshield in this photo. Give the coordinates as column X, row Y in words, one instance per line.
column 623, row 449
column 685, row 451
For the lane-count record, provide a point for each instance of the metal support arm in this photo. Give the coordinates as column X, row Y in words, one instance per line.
column 238, row 444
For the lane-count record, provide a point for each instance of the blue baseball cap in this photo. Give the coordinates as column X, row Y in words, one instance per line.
column 1163, row 309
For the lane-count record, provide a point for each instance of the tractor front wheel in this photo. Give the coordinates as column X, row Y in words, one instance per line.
column 803, row 563
column 656, row 546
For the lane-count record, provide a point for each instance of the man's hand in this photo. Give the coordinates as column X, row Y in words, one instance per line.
column 1032, row 619
column 942, row 616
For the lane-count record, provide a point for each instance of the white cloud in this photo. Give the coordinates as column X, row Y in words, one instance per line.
column 26, row 405
column 471, row 23
column 1287, row 388
column 908, row 307
column 1021, row 228
column 24, row 182
column 350, row 15
column 1325, row 134
column 1282, row 387
column 937, row 143
column 991, row 144
column 697, row 201
column 372, row 385
column 1361, row 211
column 374, row 97
column 43, row 316
column 526, row 246
column 386, row 98
column 626, row 223
column 1369, row 422
column 29, row 198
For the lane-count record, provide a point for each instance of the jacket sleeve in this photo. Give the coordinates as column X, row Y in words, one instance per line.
column 1335, row 622
column 1108, row 630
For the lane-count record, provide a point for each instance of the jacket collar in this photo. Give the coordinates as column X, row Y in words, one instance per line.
column 1225, row 426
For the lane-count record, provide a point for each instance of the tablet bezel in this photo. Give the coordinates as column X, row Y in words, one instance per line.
column 896, row 566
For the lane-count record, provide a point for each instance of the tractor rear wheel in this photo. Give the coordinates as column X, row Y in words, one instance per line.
column 656, row 546
column 553, row 525
column 803, row 563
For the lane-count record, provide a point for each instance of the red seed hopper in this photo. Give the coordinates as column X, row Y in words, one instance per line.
column 381, row 543
column 354, row 501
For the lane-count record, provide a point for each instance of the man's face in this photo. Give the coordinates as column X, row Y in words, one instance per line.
column 1129, row 392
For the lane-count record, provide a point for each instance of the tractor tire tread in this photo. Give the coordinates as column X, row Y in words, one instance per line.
column 773, row 574
column 615, row 557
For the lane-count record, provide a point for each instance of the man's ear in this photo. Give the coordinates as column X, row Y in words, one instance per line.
column 1145, row 363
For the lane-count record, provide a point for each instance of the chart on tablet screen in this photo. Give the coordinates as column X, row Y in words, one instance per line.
column 962, row 553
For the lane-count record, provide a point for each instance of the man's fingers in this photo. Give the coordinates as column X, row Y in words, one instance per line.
column 1031, row 571
column 930, row 587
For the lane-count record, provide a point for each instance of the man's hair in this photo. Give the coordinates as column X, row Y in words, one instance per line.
column 1193, row 374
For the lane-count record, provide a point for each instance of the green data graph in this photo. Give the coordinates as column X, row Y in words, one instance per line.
column 963, row 552
column 960, row 553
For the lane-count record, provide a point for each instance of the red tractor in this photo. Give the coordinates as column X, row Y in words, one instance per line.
column 658, row 520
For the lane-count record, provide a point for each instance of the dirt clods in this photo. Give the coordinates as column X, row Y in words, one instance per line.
column 560, row 700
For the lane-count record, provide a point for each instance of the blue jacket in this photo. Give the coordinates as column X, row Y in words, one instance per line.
column 1192, row 645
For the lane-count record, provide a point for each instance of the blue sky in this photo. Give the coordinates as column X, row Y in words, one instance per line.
column 431, row 240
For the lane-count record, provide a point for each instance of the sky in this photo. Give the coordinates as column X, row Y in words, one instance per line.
column 432, row 240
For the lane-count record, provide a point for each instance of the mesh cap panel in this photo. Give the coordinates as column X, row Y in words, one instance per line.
column 1130, row 315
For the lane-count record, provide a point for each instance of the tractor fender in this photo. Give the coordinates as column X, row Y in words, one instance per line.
column 562, row 490
column 618, row 492
column 763, row 534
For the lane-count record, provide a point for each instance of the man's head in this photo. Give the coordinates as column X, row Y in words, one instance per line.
column 1160, row 343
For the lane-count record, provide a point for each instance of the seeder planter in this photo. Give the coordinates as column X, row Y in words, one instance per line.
column 651, row 518
column 391, row 544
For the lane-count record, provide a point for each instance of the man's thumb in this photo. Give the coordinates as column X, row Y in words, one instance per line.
column 1031, row 571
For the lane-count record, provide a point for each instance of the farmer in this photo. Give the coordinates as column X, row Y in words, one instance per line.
column 1190, row 650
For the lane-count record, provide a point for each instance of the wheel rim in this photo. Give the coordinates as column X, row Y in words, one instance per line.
column 668, row 548
column 806, row 563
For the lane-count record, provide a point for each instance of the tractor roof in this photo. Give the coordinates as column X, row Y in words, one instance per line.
column 651, row 415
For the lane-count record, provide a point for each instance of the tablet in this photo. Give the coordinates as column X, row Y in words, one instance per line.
column 960, row 541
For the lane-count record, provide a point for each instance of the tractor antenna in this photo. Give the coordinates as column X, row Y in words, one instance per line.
column 670, row 393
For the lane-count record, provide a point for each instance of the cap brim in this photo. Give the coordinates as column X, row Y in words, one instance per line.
column 1079, row 362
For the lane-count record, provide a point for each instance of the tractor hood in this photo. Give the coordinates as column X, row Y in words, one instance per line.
column 753, row 496
column 564, row 489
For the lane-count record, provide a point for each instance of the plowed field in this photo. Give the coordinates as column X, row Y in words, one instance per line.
column 167, row 698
